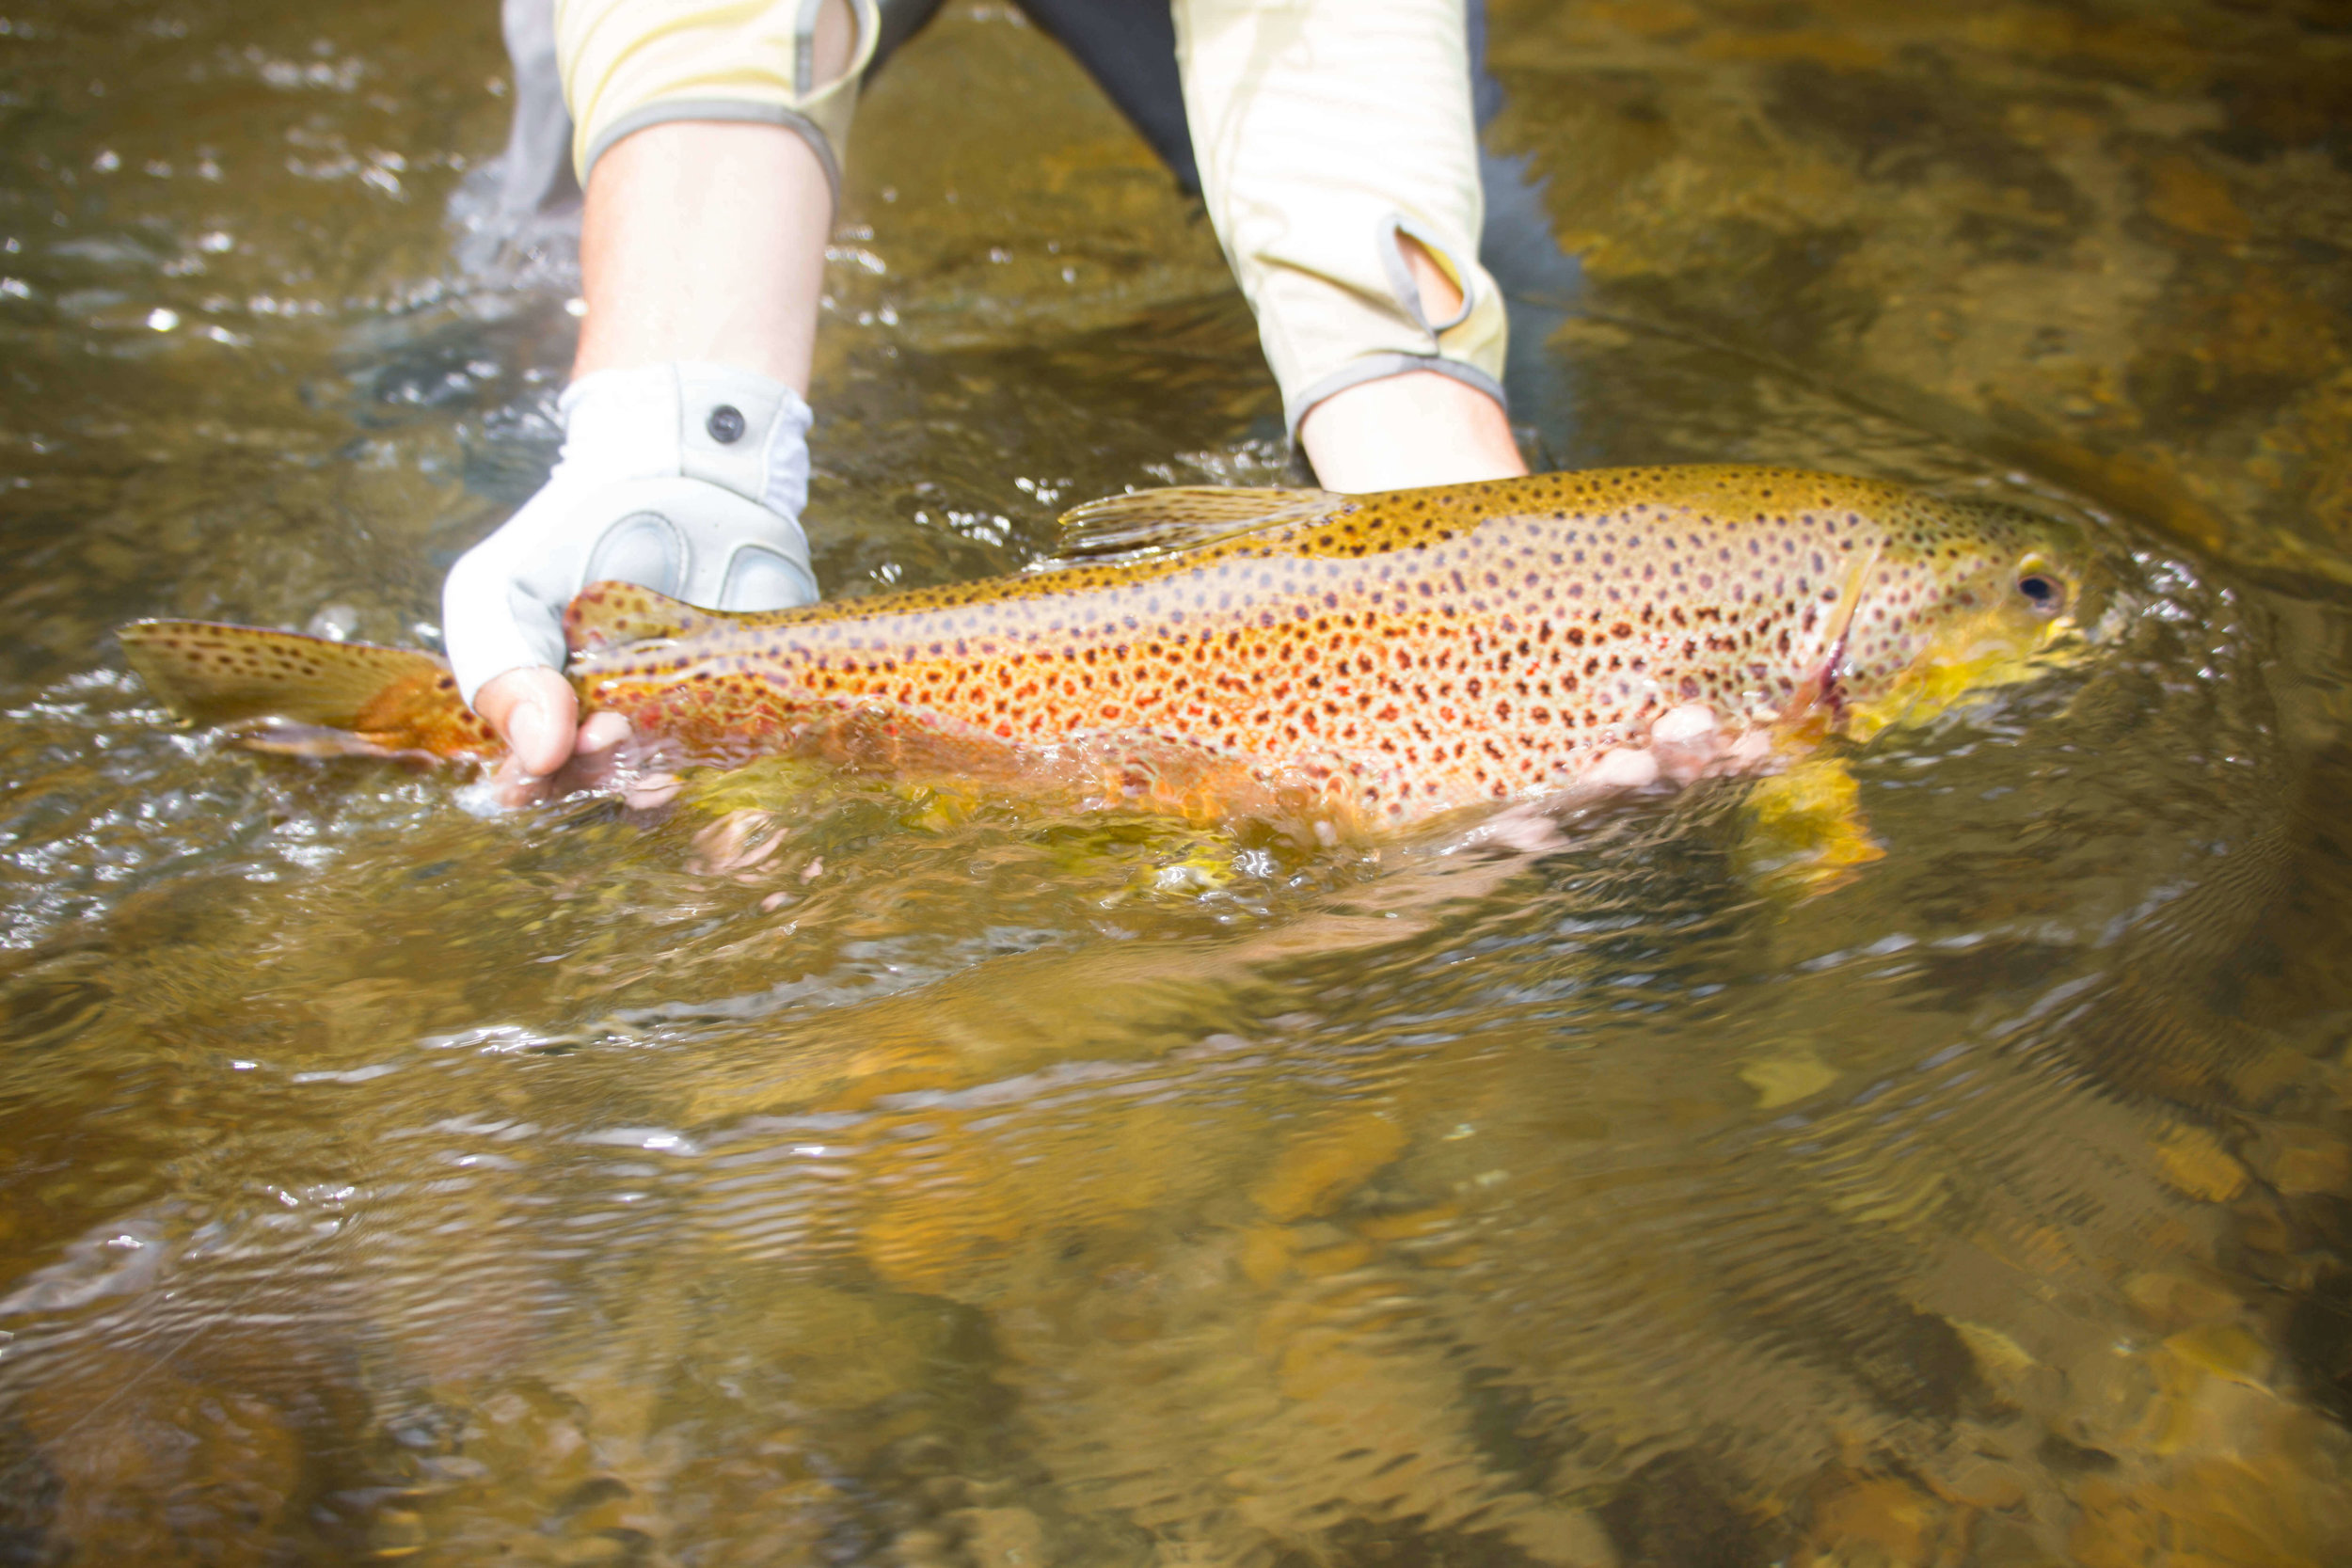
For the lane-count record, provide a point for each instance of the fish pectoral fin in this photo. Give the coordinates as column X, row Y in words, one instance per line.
column 1805, row 830
column 604, row 614
column 1818, row 696
column 1182, row 517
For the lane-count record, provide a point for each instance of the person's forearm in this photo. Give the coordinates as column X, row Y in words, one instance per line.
column 1338, row 158
column 702, row 238
column 708, row 145
column 1419, row 428
column 704, row 241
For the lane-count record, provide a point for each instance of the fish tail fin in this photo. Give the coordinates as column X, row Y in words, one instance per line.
column 605, row 614
column 379, row 699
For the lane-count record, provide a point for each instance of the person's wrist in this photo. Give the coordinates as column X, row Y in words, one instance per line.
column 691, row 419
column 1402, row 431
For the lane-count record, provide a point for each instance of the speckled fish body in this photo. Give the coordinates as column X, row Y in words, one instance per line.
column 1367, row 661
column 1384, row 657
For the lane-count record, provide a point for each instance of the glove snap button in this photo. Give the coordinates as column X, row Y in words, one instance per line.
column 725, row 425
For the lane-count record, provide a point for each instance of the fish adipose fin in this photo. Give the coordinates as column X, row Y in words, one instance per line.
column 1185, row 518
column 384, row 701
column 605, row 614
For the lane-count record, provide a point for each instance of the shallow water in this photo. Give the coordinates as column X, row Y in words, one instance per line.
column 958, row 1183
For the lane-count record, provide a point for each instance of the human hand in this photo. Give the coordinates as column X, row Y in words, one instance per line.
column 682, row 478
column 537, row 712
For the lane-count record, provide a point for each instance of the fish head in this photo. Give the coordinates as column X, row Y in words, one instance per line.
column 1964, row 596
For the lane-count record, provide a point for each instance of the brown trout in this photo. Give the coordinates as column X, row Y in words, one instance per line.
column 1370, row 659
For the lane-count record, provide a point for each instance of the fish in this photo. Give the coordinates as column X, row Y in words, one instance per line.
column 1367, row 661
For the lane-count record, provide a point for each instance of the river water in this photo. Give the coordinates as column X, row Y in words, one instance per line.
column 958, row 1183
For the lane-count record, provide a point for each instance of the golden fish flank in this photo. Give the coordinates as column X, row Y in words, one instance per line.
column 1398, row 653
column 1375, row 658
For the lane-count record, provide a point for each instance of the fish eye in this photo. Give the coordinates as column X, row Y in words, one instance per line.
column 2047, row 594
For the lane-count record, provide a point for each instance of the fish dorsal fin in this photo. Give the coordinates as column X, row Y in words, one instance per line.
column 1183, row 518
column 605, row 614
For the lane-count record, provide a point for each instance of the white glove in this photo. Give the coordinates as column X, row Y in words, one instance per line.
column 686, row 478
